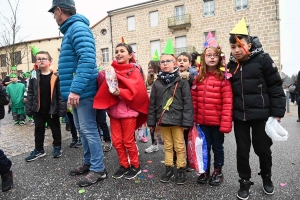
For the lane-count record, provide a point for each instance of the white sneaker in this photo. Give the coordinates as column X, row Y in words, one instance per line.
column 152, row 148
column 291, row 104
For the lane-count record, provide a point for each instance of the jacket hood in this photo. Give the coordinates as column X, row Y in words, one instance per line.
column 256, row 48
column 74, row 18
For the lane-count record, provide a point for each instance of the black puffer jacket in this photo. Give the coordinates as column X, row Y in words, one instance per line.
column 2, row 110
column 180, row 112
column 33, row 96
column 257, row 86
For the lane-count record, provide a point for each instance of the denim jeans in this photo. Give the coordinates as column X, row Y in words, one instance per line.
column 214, row 140
column 5, row 163
column 85, row 121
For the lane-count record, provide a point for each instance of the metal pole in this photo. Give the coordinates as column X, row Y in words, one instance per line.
column 287, row 101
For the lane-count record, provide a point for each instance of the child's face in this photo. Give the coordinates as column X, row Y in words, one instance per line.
column 167, row 63
column 43, row 61
column 183, row 63
column 212, row 58
column 13, row 79
column 238, row 52
column 150, row 69
column 122, row 55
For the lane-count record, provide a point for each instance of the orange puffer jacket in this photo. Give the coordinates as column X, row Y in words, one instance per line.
column 212, row 102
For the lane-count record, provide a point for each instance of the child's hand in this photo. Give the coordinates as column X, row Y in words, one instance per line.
column 117, row 92
column 24, row 100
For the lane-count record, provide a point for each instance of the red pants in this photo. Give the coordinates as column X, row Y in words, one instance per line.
column 122, row 135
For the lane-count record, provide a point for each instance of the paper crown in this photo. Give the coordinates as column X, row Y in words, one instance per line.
column 240, row 28
column 13, row 68
column 123, row 40
column 155, row 57
column 13, row 75
column 34, row 50
column 169, row 50
column 210, row 41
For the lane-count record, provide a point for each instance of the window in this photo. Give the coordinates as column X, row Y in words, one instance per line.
column 133, row 46
column 103, row 31
column 154, row 19
column 179, row 10
column 3, row 60
column 16, row 58
column 105, row 55
column 155, row 45
column 131, row 23
column 241, row 4
column 209, row 7
column 180, row 44
column 33, row 58
column 206, row 33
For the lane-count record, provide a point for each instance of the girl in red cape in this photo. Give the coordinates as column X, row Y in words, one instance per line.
column 127, row 108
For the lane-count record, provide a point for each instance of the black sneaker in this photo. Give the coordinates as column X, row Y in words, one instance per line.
column 73, row 143
column 244, row 190
column 204, row 177
column 78, row 144
column 268, row 186
column 57, row 152
column 7, row 181
column 165, row 178
column 35, row 155
column 216, row 178
column 121, row 172
column 80, row 170
column 188, row 168
column 107, row 146
column 132, row 173
column 68, row 127
column 92, row 178
column 180, row 176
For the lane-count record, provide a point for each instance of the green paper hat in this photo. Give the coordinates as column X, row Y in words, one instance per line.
column 155, row 57
column 169, row 50
column 34, row 50
column 13, row 75
column 13, row 68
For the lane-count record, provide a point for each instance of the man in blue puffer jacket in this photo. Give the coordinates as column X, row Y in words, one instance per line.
column 78, row 73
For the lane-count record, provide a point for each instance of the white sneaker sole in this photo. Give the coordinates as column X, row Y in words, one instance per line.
column 129, row 178
column 266, row 191
column 39, row 156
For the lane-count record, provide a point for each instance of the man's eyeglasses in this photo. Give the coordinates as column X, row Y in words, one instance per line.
column 41, row 59
column 164, row 62
column 212, row 55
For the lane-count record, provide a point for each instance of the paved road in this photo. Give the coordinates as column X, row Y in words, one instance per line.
column 48, row 178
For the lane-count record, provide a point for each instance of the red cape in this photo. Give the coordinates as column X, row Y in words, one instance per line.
column 132, row 91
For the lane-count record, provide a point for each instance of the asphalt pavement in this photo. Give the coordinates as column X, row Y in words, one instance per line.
column 48, row 178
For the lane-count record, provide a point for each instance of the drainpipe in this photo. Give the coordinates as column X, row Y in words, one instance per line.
column 111, row 38
column 27, row 57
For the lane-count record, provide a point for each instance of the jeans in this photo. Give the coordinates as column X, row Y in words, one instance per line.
column 72, row 126
column 5, row 163
column 85, row 122
column 261, row 145
column 39, row 129
column 214, row 140
column 101, row 121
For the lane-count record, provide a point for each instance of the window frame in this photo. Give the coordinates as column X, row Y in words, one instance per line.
column 152, row 51
column 155, row 24
column 17, row 56
column 241, row 7
column 3, row 59
column 105, row 55
column 210, row 13
column 179, row 13
column 134, row 49
column 131, row 27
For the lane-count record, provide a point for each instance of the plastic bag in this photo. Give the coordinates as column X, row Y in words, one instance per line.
column 111, row 79
column 275, row 131
column 197, row 149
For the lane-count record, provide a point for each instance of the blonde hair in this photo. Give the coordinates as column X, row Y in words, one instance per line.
column 218, row 73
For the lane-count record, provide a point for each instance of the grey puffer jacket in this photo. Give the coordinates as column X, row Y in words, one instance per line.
column 33, row 95
column 180, row 112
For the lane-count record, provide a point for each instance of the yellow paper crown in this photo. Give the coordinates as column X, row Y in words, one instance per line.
column 240, row 28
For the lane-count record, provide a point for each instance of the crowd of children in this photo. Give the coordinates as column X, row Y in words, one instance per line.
column 177, row 93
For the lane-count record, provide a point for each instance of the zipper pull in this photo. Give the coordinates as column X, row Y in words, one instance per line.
column 241, row 68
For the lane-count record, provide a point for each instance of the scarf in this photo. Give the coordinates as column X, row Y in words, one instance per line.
column 168, row 77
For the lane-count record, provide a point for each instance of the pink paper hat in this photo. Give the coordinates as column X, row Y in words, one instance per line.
column 210, row 41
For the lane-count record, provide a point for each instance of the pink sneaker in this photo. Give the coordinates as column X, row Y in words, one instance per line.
column 144, row 139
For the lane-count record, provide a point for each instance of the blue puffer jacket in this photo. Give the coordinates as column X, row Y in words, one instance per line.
column 77, row 60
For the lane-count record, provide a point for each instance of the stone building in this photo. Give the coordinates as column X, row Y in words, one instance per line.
column 147, row 26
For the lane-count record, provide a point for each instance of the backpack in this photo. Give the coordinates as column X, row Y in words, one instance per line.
column 4, row 98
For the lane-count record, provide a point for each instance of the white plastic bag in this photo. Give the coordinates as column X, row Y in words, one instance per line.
column 111, row 79
column 275, row 131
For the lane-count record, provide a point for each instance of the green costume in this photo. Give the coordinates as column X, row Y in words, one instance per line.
column 16, row 92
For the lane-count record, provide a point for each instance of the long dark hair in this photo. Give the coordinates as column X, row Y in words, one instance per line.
column 155, row 66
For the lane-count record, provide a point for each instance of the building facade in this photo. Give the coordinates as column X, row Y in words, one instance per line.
column 147, row 26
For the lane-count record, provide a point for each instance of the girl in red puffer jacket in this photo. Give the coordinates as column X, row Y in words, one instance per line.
column 212, row 101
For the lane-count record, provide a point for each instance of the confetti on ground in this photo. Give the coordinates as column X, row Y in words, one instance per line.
column 145, row 170
column 162, row 161
column 282, row 184
column 141, row 177
column 81, row 191
column 149, row 161
column 137, row 181
column 293, row 163
column 150, row 176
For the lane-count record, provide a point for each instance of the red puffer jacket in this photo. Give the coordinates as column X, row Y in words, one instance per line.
column 212, row 102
